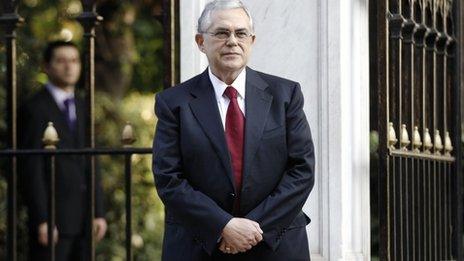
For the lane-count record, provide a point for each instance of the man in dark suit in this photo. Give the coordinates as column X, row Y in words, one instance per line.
column 57, row 103
column 233, row 155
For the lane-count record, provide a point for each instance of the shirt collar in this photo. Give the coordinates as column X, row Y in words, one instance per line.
column 58, row 94
column 220, row 86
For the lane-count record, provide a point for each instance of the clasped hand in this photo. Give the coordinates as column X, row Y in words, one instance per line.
column 240, row 235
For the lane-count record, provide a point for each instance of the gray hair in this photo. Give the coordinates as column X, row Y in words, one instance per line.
column 204, row 22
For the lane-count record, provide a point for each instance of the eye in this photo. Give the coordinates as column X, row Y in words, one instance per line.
column 241, row 34
column 222, row 34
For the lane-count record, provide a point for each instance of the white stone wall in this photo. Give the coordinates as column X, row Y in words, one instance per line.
column 323, row 44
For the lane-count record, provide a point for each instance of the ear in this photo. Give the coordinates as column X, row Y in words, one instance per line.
column 253, row 38
column 45, row 67
column 200, row 42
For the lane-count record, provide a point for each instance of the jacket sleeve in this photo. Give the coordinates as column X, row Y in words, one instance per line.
column 280, row 208
column 31, row 168
column 196, row 210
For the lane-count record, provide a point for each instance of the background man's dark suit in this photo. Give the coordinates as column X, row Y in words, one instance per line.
column 71, row 171
column 194, row 177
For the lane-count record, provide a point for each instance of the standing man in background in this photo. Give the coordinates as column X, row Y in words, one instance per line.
column 233, row 157
column 57, row 103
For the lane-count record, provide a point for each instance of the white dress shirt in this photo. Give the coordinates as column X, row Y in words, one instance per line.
column 60, row 96
column 222, row 99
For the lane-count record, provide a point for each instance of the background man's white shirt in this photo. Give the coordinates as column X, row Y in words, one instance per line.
column 60, row 96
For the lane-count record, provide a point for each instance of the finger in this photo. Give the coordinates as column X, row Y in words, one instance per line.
column 258, row 227
column 105, row 228
column 244, row 248
column 96, row 230
column 222, row 247
column 253, row 242
column 98, row 235
column 43, row 239
column 100, row 232
column 55, row 235
column 258, row 237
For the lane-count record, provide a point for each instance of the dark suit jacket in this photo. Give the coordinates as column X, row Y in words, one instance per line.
column 194, row 178
column 71, row 171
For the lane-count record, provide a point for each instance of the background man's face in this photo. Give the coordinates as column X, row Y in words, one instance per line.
column 64, row 68
column 227, row 55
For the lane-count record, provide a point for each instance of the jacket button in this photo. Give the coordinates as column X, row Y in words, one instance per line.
column 232, row 195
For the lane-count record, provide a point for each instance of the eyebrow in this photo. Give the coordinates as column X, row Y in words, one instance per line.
column 227, row 29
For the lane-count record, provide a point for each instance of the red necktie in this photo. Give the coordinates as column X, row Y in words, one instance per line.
column 235, row 126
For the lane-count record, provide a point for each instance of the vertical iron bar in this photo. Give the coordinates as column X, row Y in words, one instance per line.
column 434, row 211
column 457, row 132
column 404, row 202
column 51, row 208
column 390, row 203
column 429, row 76
column 429, row 193
column 169, row 25
column 443, row 210
column 420, row 209
column 399, row 207
column 395, row 233
column 438, row 222
column 385, row 169
column 413, row 213
column 128, row 184
column 449, row 228
column 10, row 20
column 89, row 19
column 424, row 209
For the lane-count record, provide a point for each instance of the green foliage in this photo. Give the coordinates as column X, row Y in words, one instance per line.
column 148, row 212
column 135, row 59
column 148, row 73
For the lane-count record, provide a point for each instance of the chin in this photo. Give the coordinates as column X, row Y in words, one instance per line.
column 233, row 66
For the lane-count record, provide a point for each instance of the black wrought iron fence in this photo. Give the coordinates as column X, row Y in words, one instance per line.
column 417, row 71
column 89, row 19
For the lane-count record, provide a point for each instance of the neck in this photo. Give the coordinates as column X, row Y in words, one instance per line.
column 228, row 77
column 64, row 87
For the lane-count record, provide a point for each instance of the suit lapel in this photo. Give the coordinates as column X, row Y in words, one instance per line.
column 257, row 104
column 206, row 111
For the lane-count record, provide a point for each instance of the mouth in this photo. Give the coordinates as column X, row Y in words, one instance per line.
column 230, row 54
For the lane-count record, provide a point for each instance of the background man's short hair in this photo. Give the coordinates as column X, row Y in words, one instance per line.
column 52, row 46
column 204, row 22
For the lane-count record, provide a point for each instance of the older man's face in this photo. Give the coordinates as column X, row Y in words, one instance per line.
column 227, row 55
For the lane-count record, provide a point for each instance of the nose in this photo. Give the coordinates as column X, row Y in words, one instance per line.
column 232, row 40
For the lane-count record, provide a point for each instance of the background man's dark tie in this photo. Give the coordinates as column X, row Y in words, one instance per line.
column 70, row 120
column 235, row 127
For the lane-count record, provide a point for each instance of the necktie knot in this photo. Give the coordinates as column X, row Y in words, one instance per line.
column 231, row 92
column 67, row 103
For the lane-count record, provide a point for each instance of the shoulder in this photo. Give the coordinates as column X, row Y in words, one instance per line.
column 35, row 103
column 274, row 80
column 180, row 93
column 277, row 86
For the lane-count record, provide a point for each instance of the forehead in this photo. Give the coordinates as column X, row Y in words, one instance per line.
column 230, row 19
column 65, row 52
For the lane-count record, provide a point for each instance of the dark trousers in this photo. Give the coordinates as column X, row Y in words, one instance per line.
column 68, row 248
